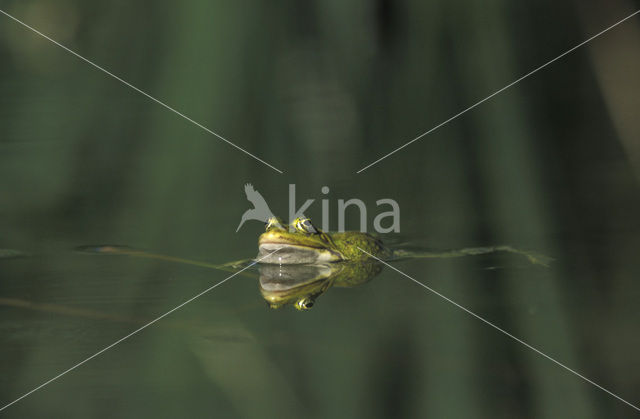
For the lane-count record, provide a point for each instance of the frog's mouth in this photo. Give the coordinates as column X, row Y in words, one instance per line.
column 287, row 254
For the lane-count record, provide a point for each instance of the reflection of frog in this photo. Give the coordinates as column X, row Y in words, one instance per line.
column 300, row 285
column 303, row 243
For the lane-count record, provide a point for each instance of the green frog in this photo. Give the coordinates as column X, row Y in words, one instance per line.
column 303, row 243
column 299, row 262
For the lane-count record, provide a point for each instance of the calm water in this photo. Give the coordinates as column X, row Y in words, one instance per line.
column 550, row 165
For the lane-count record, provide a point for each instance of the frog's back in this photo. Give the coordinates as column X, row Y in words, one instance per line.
column 350, row 242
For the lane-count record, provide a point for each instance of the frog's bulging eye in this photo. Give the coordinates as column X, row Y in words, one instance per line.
column 309, row 227
column 273, row 222
column 304, row 225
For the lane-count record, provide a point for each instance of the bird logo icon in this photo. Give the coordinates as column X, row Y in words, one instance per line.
column 260, row 210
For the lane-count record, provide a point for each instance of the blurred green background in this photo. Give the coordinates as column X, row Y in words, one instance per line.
column 319, row 90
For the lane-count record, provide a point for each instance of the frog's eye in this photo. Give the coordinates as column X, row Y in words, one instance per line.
column 273, row 222
column 304, row 225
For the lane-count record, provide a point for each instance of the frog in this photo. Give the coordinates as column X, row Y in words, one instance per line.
column 298, row 262
column 301, row 242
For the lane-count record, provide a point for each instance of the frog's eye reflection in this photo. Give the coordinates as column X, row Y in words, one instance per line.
column 303, row 224
column 304, row 304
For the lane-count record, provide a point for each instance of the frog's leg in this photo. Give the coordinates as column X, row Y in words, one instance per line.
column 535, row 258
column 123, row 250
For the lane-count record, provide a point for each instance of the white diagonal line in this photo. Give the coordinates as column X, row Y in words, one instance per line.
column 135, row 331
column 140, row 91
column 503, row 331
column 499, row 91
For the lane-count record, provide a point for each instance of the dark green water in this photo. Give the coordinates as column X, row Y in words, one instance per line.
column 319, row 91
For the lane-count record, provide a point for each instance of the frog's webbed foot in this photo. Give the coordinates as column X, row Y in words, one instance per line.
column 539, row 259
column 533, row 257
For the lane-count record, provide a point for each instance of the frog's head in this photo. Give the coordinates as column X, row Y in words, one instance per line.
column 298, row 243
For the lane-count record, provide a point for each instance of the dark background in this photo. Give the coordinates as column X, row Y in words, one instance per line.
column 320, row 90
